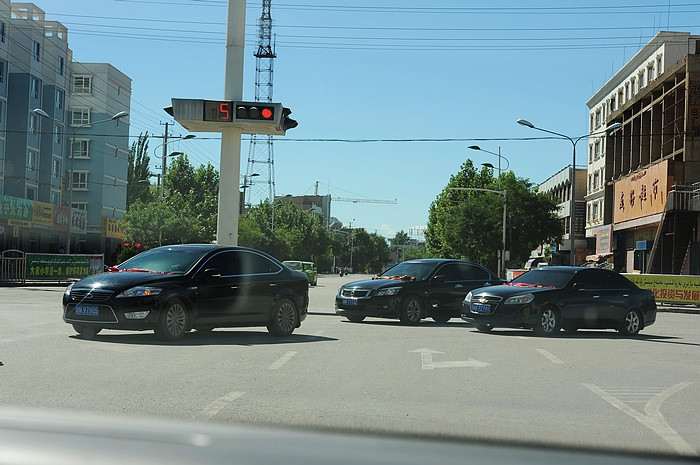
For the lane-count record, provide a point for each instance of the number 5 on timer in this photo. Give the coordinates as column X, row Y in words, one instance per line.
column 217, row 111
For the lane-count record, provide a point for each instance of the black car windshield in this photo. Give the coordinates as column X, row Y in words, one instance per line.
column 544, row 278
column 416, row 270
column 163, row 260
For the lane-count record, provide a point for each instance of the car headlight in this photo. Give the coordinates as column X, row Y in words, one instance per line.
column 468, row 298
column 140, row 291
column 388, row 291
column 68, row 289
column 520, row 299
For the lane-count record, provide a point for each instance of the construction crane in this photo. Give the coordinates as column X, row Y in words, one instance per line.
column 343, row 199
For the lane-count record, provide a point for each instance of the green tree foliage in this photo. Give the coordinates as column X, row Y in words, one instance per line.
column 468, row 224
column 364, row 252
column 297, row 235
column 186, row 213
column 137, row 187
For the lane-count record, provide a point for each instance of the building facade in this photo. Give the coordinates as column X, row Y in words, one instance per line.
column 648, row 170
column 58, row 142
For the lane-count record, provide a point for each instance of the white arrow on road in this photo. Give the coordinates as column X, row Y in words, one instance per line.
column 426, row 358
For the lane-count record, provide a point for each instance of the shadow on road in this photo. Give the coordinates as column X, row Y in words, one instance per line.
column 217, row 337
column 591, row 334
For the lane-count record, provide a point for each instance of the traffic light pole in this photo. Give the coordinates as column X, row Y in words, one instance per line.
column 230, row 163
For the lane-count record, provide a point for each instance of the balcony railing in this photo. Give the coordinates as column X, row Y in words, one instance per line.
column 684, row 197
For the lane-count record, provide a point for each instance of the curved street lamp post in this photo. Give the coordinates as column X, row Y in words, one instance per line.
column 572, row 195
column 502, row 260
column 75, row 130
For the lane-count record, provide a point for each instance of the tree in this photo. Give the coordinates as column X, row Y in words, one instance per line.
column 468, row 224
column 138, row 171
column 186, row 213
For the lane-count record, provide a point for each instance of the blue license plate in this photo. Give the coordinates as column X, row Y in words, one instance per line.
column 350, row 302
column 87, row 310
column 481, row 308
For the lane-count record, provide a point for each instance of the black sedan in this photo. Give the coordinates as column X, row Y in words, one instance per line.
column 548, row 299
column 176, row 288
column 413, row 290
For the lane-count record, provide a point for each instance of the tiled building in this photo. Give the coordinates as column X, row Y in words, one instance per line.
column 58, row 154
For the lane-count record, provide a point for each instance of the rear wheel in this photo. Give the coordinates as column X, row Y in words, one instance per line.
column 631, row 323
column 355, row 318
column 548, row 323
column 284, row 318
column 411, row 310
column 441, row 318
column 174, row 320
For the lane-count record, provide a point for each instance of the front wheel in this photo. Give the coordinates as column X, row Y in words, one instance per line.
column 548, row 323
column 355, row 318
column 174, row 319
column 284, row 318
column 632, row 323
column 483, row 327
column 411, row 311
column 86, row 332
column 441, row 318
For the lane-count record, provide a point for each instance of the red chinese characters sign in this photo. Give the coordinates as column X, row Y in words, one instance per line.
column 642, row 193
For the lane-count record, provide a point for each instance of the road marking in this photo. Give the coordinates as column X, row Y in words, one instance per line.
column 218, row 405
column 551, row 357
column 652, row 417
column 426, row 359
column 282, row 360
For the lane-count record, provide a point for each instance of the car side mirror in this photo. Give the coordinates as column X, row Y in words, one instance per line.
column 211, row 273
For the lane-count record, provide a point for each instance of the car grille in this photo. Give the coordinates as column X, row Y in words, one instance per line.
column 355, row 292
column 487, row 299
column 90, row 295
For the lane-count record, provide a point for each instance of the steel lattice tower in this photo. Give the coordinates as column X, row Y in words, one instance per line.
column 259, row 180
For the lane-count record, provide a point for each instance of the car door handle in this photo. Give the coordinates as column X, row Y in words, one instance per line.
column 596, row 297
column 458, row 286
column 273, row 284
column 625, row 295
column 234, row 287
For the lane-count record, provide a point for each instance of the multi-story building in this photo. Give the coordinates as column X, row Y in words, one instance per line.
column 558, row 186
column 640, row 173
column 59, row 145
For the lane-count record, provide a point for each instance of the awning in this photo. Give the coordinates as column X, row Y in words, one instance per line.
column 597, row 257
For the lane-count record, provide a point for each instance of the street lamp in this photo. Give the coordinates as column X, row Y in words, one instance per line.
column 504, row 194
column 572, row 207
column 247, row 182
column 165, row 155
column 502, row 261
column 75, row 130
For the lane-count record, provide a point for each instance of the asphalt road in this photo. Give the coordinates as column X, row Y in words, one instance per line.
column 587, row 389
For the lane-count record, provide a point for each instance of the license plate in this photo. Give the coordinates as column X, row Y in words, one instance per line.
column 481, row 308
column 87, row 310
column 350, row 302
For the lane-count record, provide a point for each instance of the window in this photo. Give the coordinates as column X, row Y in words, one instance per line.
column 56, row 167
column 2, row 71
column 60, row 98
column 79, row 180
column 2, row 111
column 57, row 133
column 31, row 193
column 32, row 160
column 56, row 197
column 80, row 116
column 590, row 154
column 82, row 85
column 36, row 51
column 81, row 148
column 33, row 123
column 35, row 85
column 59, row 66
column 2, row 31
column 597, row 118
column 596, row 180
column 627, row 91
column 659, row 64
column 597, row 149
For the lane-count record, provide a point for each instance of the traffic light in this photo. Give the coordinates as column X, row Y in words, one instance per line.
column 255, row 111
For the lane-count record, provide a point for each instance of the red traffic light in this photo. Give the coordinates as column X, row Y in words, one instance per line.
column 266, row 113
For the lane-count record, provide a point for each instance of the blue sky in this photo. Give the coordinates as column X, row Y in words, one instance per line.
column 406, row 86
